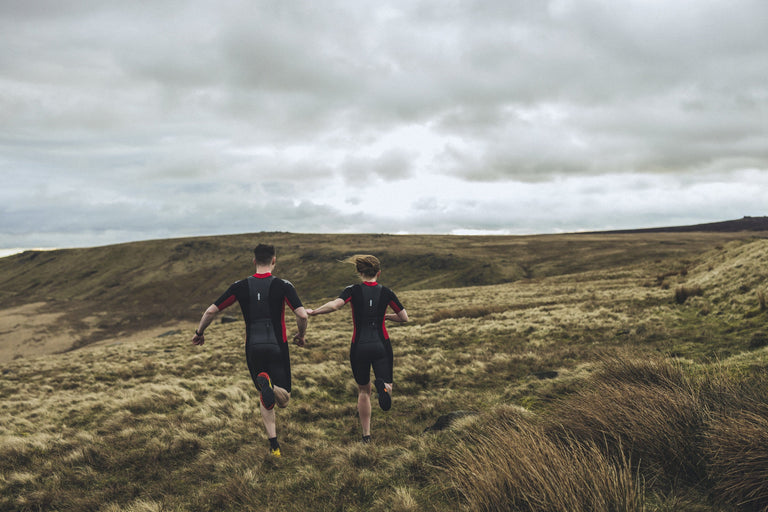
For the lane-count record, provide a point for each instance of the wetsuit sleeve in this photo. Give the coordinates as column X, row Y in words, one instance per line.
column 228, row 298
column 291, row 296
column 346, row 294
column 393, row 302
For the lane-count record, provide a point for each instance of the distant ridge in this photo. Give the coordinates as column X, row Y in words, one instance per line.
column 727, row 226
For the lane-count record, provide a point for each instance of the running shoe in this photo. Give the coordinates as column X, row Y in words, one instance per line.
column 267, row 393
column 275, row 453
column 385, row 399
column 366, row 439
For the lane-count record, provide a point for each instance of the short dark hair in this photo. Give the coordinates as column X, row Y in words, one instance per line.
column 263, row 254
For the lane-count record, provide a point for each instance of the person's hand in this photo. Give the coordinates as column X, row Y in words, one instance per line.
column 299, row 340
column 199, row 338
column 310, row 312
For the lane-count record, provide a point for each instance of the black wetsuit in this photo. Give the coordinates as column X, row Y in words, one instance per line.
column 370, row 340
column 262, row 299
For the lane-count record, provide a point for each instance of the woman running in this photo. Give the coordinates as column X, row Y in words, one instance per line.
column 370, row 340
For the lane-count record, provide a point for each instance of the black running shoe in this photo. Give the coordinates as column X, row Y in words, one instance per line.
column 274, row 448
column 385, row 399
column 267, row 393
column 366, row 439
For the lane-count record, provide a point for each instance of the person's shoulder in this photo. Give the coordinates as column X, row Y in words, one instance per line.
column 388, row 291
column 238, row 286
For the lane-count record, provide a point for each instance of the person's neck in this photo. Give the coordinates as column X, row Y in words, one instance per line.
column 264, row 270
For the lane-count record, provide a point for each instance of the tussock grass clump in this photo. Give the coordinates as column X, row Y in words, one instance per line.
column 652, row 371
column 520, row 467
column 645, row 410
column 736, row 447
column 703, row 426
column 680, row 428
column 654, row 425
column 684, row 292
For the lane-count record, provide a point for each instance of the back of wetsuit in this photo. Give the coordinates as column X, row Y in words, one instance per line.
column 370, row 323
column 260, row 328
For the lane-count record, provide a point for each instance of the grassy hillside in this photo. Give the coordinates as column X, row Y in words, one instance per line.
column 615, row 372
column 79, row 296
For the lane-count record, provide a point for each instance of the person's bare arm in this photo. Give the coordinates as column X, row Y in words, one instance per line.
column 301, row 325
column 328, row 307
column 208, row 316
column 401, row 316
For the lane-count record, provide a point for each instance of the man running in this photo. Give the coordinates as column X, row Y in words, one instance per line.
column 262, row 298
column 370, row 347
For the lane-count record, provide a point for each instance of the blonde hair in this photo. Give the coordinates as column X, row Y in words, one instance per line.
column 366, row 264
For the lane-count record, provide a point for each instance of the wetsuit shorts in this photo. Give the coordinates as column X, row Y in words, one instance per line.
column 272, row 359
column 364, row 356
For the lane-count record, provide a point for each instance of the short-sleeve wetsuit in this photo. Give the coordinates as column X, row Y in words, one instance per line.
column 370, row 340
column 262, row 299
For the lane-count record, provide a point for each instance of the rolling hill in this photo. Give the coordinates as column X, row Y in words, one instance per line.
column 52, row 301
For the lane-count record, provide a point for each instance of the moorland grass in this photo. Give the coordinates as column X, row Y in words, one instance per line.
column 642, row 403
column 639, row 430
column 92, row 294
column 520, row 467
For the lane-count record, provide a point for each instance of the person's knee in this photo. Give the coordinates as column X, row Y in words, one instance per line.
column 364, row 389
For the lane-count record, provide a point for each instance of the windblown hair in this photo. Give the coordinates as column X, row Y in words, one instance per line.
column 263, row 254
column 366, row 264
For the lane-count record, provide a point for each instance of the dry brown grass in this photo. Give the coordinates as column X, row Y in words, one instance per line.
column 736, row 448
column 704, row 425
column 652, row 417
column 519, row 467
column 640, row 433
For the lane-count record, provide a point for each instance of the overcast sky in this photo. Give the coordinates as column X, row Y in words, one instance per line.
column 124, row 121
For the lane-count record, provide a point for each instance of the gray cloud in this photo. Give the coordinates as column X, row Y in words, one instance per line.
column 391, row 166
column 131, row 120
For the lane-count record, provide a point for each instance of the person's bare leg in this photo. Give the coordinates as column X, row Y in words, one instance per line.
column 364, row 407
column 268, row 417
column 281, row 396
